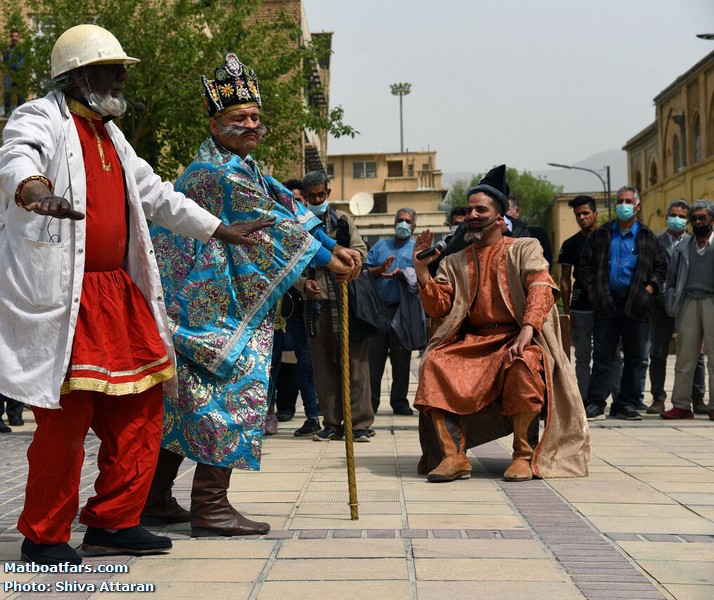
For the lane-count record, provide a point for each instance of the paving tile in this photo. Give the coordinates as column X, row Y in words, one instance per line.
column 337, row 570
column 349, row 548
column 466, row 521
column 504, row 569
column 682, row 571
column 690, row 592
column 194, row 569
column 488, row 590
column 477, row 548
column 344, row 522
column 217, row 548
column 342, row 590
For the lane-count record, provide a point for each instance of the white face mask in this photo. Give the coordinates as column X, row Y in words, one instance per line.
column 403, row 230
column 318, row 209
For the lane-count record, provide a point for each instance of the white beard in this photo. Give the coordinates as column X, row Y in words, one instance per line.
column 473, row 235
column 107, row 105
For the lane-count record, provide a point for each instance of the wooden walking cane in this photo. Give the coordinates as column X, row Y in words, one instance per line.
column 347, row 401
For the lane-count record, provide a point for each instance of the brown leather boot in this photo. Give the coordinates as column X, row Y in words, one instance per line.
column 455, row 464
column 211, row 513
column 161, row 507
column 656, row 408
column 520, row 467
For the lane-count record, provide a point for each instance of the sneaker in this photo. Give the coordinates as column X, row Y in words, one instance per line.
column 4, row 428
column 327, row 434
column 628, row 413
column 640, row 405
column 403, row 410
column 16, row 422
column 271, row 424
column 49, row 554
column 136, row 541
column 309, row 427
column 698, row 407
column 371, row 432
column 594, row 413
column 677, row 413
column 613, row 411
column 361, row 435
column 284, row 416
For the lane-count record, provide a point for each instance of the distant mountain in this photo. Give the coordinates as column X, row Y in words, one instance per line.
column 573, row 180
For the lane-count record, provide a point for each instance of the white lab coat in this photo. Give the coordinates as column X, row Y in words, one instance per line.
column 42, row 259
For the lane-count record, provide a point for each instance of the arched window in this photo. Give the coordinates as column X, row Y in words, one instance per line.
column 676, row 154
column 638, row 179
column 653, row 173
column 697, row 139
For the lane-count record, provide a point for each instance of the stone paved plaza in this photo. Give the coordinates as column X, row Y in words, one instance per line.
column 640, row 527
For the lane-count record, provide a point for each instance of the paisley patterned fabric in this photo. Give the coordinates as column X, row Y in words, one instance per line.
column 221, row 306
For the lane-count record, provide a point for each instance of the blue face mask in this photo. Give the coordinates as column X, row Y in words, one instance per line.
column 318, row 209
column 403, row 230
column 676, row 224
column 625, row 212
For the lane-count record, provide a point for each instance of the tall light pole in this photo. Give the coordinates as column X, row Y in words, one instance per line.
column 401, row 90
column 605, row 185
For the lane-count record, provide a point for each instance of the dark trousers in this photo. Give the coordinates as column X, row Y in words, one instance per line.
column 661, row 332
column 294, row 338
column 607, row 332
column 13, row 408
column 381, row 346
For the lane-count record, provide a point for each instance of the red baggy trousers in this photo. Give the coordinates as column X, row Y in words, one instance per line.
column 129, row 428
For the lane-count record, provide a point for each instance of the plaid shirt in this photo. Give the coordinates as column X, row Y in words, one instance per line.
column 595, row 272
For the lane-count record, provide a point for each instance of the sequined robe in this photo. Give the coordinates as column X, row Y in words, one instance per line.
column 221, row 306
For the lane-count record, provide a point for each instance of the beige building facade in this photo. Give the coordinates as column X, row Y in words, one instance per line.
column 673, row 157
column 394, row 181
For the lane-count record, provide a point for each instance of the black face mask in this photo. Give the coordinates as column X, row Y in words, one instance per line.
column 702, row 230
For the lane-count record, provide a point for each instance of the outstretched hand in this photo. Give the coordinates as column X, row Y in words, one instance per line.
column 54, row 206
column 239, row 233
column 424, row 240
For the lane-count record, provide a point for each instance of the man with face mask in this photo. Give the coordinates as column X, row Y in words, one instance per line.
column 662, row 325
column 690, row 300
column 622, row 267
column 322, row 324
column 385, row 262
column 85, row 335
column 497, row 355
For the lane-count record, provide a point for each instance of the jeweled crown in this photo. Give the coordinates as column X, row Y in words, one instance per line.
column 233, row 87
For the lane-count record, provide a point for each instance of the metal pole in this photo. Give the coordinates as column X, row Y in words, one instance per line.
column 609, row 201
column 401, row 124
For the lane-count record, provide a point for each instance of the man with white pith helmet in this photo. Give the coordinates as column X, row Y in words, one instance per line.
column 85, row 340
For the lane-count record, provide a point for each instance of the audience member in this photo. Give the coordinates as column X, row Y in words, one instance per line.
column 323, row 325
column 622, row 267
column 520, row 228
column 690, row 300
column 662, row 325
column 395, row 254
column 13, row 58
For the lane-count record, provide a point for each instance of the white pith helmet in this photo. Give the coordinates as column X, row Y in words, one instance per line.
column 86, row 45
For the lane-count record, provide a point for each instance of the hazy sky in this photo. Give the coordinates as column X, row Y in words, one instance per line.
column 525, row 82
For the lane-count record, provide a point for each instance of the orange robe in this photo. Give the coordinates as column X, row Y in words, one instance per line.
column 466, row 375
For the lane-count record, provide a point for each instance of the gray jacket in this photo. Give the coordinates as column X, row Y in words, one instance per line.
column 677, row 274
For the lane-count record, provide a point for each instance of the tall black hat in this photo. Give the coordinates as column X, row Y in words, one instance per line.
column 494, row 185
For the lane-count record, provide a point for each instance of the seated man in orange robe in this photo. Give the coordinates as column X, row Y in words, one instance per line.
column 497, row 351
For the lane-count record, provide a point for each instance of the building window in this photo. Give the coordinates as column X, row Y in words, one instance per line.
column 676, row 154
column 697, row 140
column 366, row 169
column 410, row 170
column 331, row 170
column 395, row 168
column 653, row 173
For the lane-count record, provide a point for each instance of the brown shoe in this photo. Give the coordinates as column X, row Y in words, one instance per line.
column 656, row 408
column 698, row 406
column 211, row 513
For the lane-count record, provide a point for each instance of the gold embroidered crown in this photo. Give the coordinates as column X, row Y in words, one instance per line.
column 233, row 87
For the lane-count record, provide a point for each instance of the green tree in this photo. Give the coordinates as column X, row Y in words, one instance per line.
column 179, row 40
column 534, row 194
